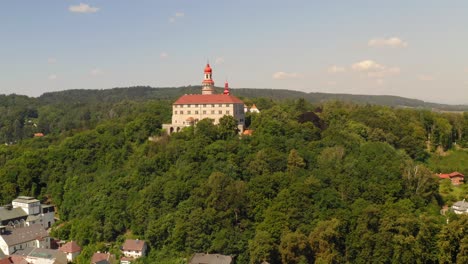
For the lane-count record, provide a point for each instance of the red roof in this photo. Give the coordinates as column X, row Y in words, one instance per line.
column 207, row 99
column 208, row 68
column 5, row 261
column 133, row 245
column 100, row 257
column 248, row 132
column 70, row 247
column 38, row 134
column 450, row 175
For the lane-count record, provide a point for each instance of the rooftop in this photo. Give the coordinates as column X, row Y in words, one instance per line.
column 208, row 99
column 14, row 236
column 202, row 258
column 132, row 244
column 70, row 247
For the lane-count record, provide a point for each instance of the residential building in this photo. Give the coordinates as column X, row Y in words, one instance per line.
column 202, row 258
column 191, row 108
column 13, row 239
column 71, row 250
column 42, row 256
column 103, row 258
column 455, row 177
column 134, row 248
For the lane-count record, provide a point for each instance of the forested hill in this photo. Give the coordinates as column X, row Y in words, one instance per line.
column 145, row 93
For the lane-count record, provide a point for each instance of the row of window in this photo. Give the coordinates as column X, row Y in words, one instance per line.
column 227, row 112
column 204, row 105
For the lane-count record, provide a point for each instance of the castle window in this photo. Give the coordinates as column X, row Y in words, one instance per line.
column 220, row 105
column 175, row 112
column 227, row 112
column 204, row 112
column 196, row 112
column 227, row 105
column 196, row 105
column 212, row 112
column 204, row 105
column 212, row 105
column 181, row 112
column 189, row 112
column 188, row 105
column 220, row 112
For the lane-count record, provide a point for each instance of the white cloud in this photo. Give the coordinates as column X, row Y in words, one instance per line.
column 96, row 72
column 83, row 8
column 176, row 16
column 367, row 65
column 390, row 42
column 52, row 77
column 219, row 60
column 51, row 60
column 286, row 75
column 425, row 77
column 336, row 69
column 163, row 55
column 374, row 69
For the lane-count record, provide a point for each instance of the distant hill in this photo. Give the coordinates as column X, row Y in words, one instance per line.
column 168, row 93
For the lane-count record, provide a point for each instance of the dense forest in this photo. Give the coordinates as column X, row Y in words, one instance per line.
column 316, row 182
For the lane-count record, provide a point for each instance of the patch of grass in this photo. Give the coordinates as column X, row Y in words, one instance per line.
column 456, row 160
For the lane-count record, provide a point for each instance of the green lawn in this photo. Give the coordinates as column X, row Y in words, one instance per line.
column 454, row 161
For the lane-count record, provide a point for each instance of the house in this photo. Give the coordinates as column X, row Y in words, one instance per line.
column 455, row 177
column 71, row 250
column 103, row 258
column 202, row 258
column 133, row 249
column 191, row 108
column 13, row 239
column 254, row 109
column 460, row 207
column 38, row 134
column 42, row 256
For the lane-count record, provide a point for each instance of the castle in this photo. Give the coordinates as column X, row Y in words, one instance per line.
column 191, row 108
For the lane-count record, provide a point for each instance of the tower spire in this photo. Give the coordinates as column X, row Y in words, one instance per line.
column 208, row 83
column 226, row 88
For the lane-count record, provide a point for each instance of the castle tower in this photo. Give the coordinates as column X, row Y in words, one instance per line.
column 208, row 83
column 226, row 89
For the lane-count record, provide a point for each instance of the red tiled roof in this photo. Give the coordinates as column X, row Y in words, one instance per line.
column 18, row 260
column 450, row 175
column 100, row 257
column 133, row 245
column 38, row 134
column 456, row 173
column 207, row 99
column 70, row 247
column 248, row 132
column 5, row 261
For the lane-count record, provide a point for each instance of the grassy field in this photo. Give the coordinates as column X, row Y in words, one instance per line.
column 456, row 160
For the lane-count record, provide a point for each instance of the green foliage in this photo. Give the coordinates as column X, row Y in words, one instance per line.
column 352, row 185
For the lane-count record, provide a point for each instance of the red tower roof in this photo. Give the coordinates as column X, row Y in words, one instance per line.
column 226, row 88
column 208, row 68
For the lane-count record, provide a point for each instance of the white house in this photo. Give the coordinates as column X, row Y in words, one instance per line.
column 71, row 249
column 134, row 248
column 13, row 239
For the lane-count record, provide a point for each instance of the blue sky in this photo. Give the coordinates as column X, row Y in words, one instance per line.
column 416, row 49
